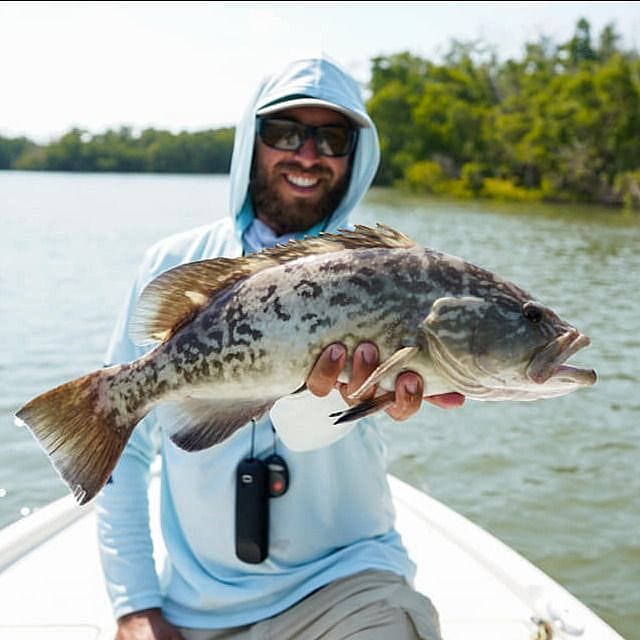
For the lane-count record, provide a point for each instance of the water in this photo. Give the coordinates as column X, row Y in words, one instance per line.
column 557, row 479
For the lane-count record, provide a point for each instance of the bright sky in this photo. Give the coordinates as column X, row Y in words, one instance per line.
column 194, row 65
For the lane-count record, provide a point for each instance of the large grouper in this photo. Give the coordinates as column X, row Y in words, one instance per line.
column 233, row 335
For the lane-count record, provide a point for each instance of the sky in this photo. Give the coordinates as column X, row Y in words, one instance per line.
column 194, row 65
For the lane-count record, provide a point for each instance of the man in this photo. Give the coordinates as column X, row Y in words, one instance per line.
column 305, row 154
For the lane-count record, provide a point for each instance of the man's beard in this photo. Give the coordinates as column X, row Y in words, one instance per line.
column 301, row 214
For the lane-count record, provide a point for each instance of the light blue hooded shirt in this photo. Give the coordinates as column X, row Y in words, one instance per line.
column 337, row 517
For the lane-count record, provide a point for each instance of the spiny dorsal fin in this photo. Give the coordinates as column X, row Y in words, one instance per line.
column 176, row 295
column 362, row 237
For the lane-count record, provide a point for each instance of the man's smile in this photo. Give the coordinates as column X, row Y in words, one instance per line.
column 301, row 181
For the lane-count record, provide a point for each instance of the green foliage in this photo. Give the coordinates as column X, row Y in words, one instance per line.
column 503, row 189
column 426, row 176
column 627, row 186
column 122, row 151
column 13, row 148
column 473, row 176
column 562, row 123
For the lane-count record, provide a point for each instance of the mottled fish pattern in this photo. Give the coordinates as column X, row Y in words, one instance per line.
column 232, row 336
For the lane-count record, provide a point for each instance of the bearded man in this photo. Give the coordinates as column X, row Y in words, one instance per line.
column 305, row 153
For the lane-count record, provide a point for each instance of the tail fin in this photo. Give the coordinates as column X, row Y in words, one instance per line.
column 81, row 430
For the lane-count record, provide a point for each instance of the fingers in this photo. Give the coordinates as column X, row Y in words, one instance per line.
column 409, row 386
column 324, row 375
column 446, row 400
column 409, row 389
column 326, row 370
column 365, row 360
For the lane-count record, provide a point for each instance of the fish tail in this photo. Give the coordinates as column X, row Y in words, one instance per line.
column 83, row 426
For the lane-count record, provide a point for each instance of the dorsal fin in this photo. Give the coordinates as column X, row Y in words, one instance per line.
column 362, row 237
column 176, row 295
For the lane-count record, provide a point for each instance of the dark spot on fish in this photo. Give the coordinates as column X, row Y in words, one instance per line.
column 236, row 320
column 308, row 289
column 132, row 400
column 246, row 329
column 341, row 300
column 314, row 322
column 335, row 267
column 114, row 416
column 163, row 387
column 215, row 338
column 407, row 272
column 234, row 355
column 191, row 348
column 367, row 272
column 272, row 289
column 150, row 374
column 208, row 320
column 363, row 283
column 235, row 313
column 320, row 322
column 277, row 307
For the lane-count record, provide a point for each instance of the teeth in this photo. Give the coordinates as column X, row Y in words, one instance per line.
column 301, row 181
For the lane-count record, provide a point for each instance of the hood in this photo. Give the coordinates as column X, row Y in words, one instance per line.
column 324, row 80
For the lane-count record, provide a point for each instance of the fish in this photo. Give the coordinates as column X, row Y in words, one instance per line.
column 228, row 337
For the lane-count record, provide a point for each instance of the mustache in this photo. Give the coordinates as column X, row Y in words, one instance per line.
column 317, row 171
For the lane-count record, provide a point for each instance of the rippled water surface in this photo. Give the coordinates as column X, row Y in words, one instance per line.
column 557, row 479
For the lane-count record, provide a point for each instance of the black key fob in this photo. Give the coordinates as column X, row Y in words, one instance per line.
column 252, row 511
column 278, row 475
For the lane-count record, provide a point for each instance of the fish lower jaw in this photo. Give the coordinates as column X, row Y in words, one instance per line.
column 551, row 360
column 574, row 375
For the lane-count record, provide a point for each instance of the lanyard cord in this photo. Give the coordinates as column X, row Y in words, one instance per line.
column 253, row 437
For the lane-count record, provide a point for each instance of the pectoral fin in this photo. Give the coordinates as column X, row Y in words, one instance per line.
column 396, row 361
column 202, row 423
column 365, row 408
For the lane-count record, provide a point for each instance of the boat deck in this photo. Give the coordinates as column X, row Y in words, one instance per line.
column 51, row 583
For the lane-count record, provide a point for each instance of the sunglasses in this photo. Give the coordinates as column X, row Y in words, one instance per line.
column 331, row 140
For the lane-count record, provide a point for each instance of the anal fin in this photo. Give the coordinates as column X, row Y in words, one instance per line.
column 201, row 423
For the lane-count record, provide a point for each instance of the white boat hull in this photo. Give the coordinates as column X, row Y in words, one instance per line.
column 51, row 585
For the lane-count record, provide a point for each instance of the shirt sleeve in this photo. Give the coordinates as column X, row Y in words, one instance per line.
column 122, row 509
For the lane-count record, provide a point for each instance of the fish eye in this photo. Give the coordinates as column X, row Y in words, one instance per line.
column 533, row 311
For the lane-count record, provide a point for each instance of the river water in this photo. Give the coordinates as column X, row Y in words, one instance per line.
column 557, row 479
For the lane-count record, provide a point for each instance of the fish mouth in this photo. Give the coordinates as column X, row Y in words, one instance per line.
column 550, row 361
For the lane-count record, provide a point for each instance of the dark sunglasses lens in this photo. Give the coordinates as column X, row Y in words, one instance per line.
column 285, row 135
column 280, row 134
column 333, row 141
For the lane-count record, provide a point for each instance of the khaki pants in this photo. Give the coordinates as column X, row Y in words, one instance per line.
column 373, row 605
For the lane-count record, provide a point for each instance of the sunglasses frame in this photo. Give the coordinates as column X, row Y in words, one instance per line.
column 309, row 131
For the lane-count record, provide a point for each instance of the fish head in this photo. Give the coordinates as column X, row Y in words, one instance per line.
column 504, row 347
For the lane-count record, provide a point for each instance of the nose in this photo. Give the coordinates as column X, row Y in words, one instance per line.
column 307, row 153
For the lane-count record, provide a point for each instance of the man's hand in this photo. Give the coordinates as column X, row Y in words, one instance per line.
column 148, row 624
column 409, row 385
